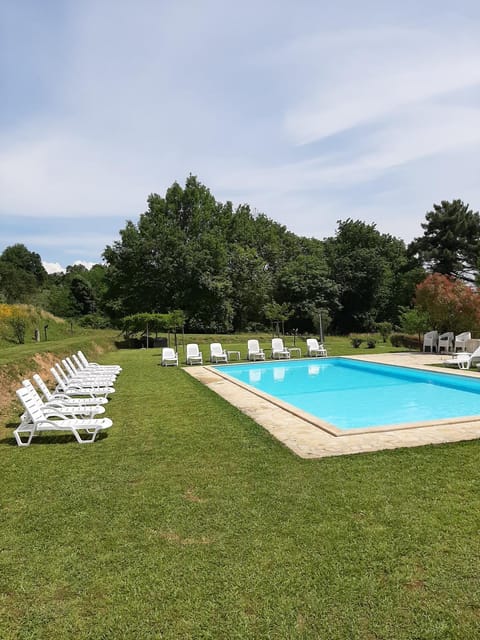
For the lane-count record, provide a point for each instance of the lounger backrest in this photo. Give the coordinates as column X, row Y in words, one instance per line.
column 475, row 354
column 33, row 392
column 82, row 358
column 168, row 353
column 77, row 362
column 277, row 344
column 42, row 386
column 32, row 407
column 216, row 349
column 253, row 345
column 193, row 350
column 61, row 372
column 68, row 367
column 57, row 377
column 312, row 343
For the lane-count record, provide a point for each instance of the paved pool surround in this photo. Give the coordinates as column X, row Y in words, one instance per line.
column 308, row 438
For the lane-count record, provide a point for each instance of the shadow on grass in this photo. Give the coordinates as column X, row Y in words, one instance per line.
column 43, row 439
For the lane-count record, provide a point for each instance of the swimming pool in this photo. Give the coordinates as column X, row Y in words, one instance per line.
column 347, row 394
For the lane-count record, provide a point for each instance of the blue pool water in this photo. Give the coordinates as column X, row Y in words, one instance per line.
column 350, row 394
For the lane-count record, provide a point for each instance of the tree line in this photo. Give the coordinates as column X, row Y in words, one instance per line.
column 229, row 269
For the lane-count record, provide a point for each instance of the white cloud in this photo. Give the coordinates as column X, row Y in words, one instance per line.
column 53, row 267
column 84, row 263
column 369, row 78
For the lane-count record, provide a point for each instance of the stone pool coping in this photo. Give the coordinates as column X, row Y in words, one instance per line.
column 310, row 438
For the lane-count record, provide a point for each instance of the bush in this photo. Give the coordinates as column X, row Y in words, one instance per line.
column 371, row 344
column 19, row 326
column 356, row 342
column 94, row 321
column 405, row 340
column 384, row 329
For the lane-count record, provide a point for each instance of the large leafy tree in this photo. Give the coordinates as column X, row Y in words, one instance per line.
column 373, row 274
column 174, row 257
column 22, row 274
column 27, row 261
column 304, row 283
column 450, row 244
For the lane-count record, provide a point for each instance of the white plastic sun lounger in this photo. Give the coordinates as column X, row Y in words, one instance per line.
column 278, row 349
column 116, row 368
column 194, row 355
column 67, row 375
column 35, row 421
column 169, row 357
column 315, row 349
column 77, row 388
column 463, row 360
column 52, row 407
column 68, row 400
column 72, row 372
column 254, row 352
column 217, row 354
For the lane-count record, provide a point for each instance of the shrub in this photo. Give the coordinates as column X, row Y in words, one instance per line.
column 384, row 329
column 356, row 342
column 405, row 340
column 94, row 321
column 19, row 326
column 371, row 344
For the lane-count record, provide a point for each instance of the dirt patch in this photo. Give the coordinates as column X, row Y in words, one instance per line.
column 191, row 496
column 11, row 377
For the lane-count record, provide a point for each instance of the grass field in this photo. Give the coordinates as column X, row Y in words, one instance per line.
column 187, row 520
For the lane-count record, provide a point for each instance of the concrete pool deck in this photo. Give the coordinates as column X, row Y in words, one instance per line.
column 308, row 440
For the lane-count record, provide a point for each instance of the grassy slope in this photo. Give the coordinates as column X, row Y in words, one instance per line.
column 189, row 521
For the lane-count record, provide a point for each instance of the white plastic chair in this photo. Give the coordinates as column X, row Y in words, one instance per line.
column 217, row 354
column 254, row 352
column 315, row 349
column 35, row 421
column 169, row 357
column 430, row 341
column 194, row 355
column 445, row 342
column 461, row 341
column 278, row 349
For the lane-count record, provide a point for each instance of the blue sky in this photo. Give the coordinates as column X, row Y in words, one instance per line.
column 309, row 111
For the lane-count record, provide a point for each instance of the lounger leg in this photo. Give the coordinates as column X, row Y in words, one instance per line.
column 19, row 430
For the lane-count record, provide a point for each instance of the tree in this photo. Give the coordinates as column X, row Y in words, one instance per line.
column 21, row 274
column 451, row 241
column 450, row 304
column 370, row 269
column 277, row 314
column 21, row 258
column 304, row 283
column 16, row 285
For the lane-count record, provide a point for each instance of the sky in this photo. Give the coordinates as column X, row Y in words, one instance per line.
column 310, row 112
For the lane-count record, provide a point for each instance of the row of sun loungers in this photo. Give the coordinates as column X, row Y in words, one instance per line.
column 80, row 396
column 254, row 352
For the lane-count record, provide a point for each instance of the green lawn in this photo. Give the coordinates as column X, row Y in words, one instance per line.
column 189, row 521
